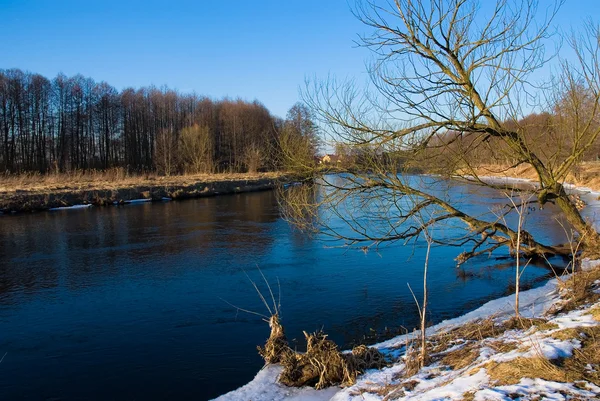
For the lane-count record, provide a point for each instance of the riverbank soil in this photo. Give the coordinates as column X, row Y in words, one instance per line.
column 586, row 174
column 39, row 192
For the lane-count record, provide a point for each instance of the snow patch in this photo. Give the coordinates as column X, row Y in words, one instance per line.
column 69, row 207
column 138, row 201
column 588, row 264
column 574, row 319
column 455, row 389
column 265, row 387
column 532, row 387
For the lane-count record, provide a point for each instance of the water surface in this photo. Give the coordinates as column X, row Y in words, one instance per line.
column 128, row 303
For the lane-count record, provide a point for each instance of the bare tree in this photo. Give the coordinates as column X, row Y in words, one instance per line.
column 444, row 71
column 166, row 151
column 298, row 140
column 422, row 306
column 518, row 205
column 75, row 123
column 253, row 156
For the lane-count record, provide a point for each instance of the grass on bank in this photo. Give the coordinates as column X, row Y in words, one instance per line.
column 458, row 353
column 114, row 178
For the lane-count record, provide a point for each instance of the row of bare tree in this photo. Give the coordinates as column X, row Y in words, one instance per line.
column 72, row 123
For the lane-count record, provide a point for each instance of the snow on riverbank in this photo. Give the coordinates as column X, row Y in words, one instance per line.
column 439, row 382
column 70, row 207
column 265, row 386
column 473, row 381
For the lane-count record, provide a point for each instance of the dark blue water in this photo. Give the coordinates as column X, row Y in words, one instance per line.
column 126, row 303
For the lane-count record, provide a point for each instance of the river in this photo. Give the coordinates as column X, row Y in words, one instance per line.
column 134, row 302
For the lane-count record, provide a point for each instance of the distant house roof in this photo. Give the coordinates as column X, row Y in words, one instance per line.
column 329, row 158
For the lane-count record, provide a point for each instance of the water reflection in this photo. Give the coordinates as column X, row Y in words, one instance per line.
column 82, row 247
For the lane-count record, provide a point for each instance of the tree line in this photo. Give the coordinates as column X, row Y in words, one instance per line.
column 75, row 123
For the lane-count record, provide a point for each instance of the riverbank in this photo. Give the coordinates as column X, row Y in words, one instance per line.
column 38, row 193
column 585, row 175
column 552, row 351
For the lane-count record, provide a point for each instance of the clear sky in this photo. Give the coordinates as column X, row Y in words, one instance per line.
column 253, row 49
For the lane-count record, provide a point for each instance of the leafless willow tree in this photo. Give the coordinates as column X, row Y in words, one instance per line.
column 298, row 140
column 450, row 71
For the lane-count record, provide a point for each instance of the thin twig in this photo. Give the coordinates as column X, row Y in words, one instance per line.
column 259, row 294
column 244, row 310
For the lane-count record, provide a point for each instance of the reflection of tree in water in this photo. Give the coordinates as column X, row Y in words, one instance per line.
column 299, row 205
column 84, row 248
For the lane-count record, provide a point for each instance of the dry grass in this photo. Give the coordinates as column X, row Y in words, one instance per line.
column 577, row 290
column 381, row 390
column 511, row 372
column 584, row 364
column 479, row 330
column 323, row 365
column 566, row 334
column 472, row 331
column 412, row 363
column 502, row 346
column 468, row 396
column 115, row 178
column 595, row 312
column 461, row 357
column 521, row 323
column 277, row 345
column 547, row 326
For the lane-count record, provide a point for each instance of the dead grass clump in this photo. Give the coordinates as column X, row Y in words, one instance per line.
column 547, row 326
column 566, row 334
column 521, row 323
column 511, row 372
column 363, row 358
column 584, row 364
column 468, row 396
column 586, row 360
column 323, row 364
column 502, row 346
column 578, row 290
column 412, row 364
column 472, row 334
column 595, row 312
column 461, row 357
column 473, row 331
column 276, row 347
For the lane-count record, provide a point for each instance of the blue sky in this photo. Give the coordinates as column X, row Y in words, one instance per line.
column 250, row 49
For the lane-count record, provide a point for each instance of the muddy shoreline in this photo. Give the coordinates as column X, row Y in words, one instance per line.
column 20, row 201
